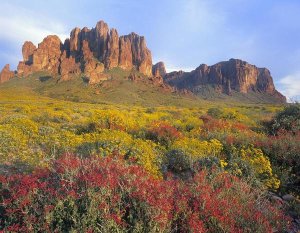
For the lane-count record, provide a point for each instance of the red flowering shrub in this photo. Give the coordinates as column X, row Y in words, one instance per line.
column 163, row 133
column 108, row 195
column 283, row 151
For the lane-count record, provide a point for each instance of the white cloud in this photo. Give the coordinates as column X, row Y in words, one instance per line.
column 202, row 16
column 18, row 25
column 290, row 86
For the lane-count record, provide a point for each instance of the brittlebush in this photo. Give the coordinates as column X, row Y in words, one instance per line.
column 197, row 148
column 261, row 165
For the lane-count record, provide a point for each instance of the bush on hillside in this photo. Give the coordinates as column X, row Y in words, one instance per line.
column 286, row 121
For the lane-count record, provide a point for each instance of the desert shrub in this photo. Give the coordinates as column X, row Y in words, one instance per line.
column 143, row 152
column 108, row 195
column 90, row 127
column 177, row 162
column 283, row 151
column 214, row 112
column 196, row 148
column 287, row 120
column 163, row 133
column 251, row 162
column 210, row 163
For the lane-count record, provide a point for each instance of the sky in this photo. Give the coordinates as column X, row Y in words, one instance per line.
column 182, row 33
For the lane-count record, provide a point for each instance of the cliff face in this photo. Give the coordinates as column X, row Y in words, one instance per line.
column 233, row 75
column 89, row 51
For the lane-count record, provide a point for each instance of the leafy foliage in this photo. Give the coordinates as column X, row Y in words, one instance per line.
column 108, row 195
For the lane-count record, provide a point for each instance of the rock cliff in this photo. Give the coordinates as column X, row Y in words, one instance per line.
column 233, row 75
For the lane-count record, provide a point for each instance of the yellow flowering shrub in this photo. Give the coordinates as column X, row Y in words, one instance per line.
column 261, row 165
column 198, row 149
column 145, row 152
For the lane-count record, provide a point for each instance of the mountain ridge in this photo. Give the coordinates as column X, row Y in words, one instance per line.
column 226, row 76
column 90, row 52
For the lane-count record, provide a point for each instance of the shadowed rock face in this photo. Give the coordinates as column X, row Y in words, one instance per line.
column 227, row 76
column 159, row 69
column 89, row 51
column 6, row 74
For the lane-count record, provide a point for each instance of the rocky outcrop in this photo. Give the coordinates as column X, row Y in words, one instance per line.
column 44, row 58
column 113, row 52
column 27, row 52
column 128, row 52
column 68, row 67
column 92, row 68
column 75, row 41
column 233, row 75
column 159, row 69
column 134, row 53
column 6, row 74
column 125, row 54
column 89, row 51
column 141, row 55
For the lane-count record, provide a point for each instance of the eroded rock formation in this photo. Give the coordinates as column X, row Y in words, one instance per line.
column 159, row 69
column 6, row 74
column 44, row 58
column 89, row 51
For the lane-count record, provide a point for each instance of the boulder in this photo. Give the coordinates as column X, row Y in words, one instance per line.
column 288, row 197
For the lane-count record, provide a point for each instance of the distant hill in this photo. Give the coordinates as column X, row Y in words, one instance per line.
column 99, row 56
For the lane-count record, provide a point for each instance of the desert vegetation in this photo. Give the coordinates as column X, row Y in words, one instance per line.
column 81, row 167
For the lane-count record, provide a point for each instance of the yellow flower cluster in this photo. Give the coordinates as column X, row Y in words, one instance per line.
column 261, row 165
column 197, row 148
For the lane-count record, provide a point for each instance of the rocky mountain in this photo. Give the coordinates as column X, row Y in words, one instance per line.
column 226, row 77
column 91, row 52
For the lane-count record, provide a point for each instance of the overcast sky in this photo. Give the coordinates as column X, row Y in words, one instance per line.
column 182, row 33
